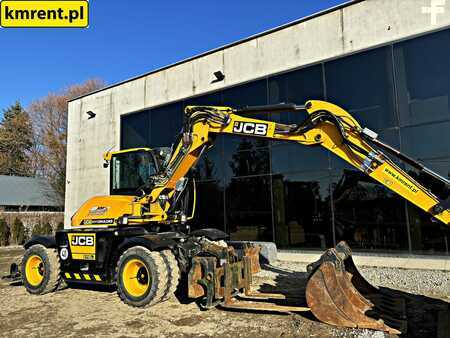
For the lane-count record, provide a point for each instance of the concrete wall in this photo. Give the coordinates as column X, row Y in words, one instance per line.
column 346, row 30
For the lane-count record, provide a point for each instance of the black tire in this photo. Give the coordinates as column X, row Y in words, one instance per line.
column 49, row 270
column 173, row 273
column 154, row 267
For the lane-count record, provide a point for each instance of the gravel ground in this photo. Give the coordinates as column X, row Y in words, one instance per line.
column 428, row 282
column 87, row 312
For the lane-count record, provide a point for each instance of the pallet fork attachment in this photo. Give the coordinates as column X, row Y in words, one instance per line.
column 221, row 283
column 336, row 293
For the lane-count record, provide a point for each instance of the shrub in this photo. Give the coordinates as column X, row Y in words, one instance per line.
column 47, row 229
column 60, row 226
column 18, row 231
column 37, row 230
column 4, row 232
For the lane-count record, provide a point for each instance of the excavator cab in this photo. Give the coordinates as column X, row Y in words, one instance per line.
column 131, row 169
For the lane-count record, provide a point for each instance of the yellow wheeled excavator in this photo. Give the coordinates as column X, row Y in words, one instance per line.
column 138, row 238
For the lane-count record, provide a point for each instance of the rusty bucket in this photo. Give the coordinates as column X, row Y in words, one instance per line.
column 338, row 294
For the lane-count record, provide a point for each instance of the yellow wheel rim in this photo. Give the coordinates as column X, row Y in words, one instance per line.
column 135, row 277
column 34, row 270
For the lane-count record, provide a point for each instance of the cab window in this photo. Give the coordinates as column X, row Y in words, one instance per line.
column 129, row 171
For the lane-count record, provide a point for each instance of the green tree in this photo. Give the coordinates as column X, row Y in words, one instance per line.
column 18, row 231
column 4, row 232
column 60, row 226
column 16, row 142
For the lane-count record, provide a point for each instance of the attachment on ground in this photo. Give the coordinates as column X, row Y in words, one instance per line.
column 338, row 294
column 14, row 274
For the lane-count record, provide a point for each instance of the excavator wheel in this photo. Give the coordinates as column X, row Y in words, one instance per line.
column 173, row 274
column 141, row 277
column 338, row 294
column 40, row 270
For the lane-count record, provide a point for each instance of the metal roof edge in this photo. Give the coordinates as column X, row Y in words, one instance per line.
column 238, row 42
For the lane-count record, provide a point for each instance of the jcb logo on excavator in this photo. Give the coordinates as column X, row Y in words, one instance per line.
column 82, row 240
column 82, row 245
column 251, row 128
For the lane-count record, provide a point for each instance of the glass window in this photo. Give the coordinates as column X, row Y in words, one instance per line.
column 213, row 99
column 129, row 171
column 426, row 141
column 248, row 208
column 293, row 157
column 302, row 211
column 134, row 130
column 363, row 85
column 209, row 210
column 166, row 124
column 367, row 215
column 423, row 78
column 296, row 87
column 210, row 165
column 430, row 236
column 249, row 162
column 250, row 94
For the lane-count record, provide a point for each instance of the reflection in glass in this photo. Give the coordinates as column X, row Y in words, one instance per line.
column 210, row 164
column 134, row 130
column 426, row 141
column 423, row 78
column 367, row 214
column 429, row 236
column 165, row 124
column 209, row 211
column 302, row 212
column 249, row 94
column 363, row 85
column 246, row 160
column 297, row 87
column 294, row 157
column 248, row 208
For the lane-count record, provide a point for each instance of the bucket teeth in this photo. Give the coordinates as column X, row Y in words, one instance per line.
column 339, row 295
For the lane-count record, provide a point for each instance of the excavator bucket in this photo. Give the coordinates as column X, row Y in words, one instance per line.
column 338, row 294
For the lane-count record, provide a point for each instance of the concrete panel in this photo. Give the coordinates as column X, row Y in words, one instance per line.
column 170, row 85
column 295, row 46
column 156, row 89
column 73, row 154
column 204, row 68
column 302, row 44
column 86, row 175
column 127, row 98
column 374, row 22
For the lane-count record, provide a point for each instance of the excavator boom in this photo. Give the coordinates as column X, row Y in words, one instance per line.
column 327, row 125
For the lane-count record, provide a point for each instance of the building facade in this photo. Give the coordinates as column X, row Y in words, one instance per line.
column 391, row 70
